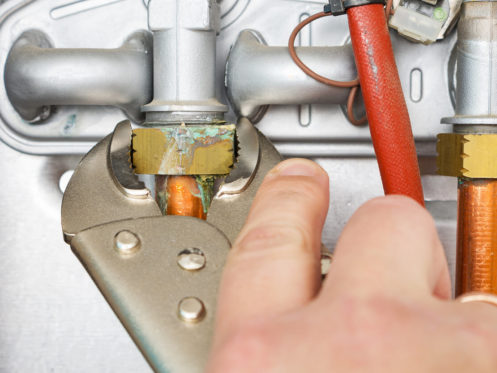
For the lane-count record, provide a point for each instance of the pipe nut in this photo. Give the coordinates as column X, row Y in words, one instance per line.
column 471, row 156
column 201, row 15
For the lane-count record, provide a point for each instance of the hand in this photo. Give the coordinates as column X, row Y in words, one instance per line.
column 384, row 306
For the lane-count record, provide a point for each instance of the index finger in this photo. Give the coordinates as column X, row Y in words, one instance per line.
column 390, row 246
column 274, row 265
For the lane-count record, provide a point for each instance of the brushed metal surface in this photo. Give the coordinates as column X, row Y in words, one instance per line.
column 54, row 319
column 76, row 129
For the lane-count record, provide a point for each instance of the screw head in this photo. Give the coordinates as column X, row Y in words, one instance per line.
column 191, row 310
column 126, row 243
column 191, row 259
column 326, row 259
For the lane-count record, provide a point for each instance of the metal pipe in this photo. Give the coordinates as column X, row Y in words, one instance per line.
column 184, row 61
column 476, row 61
column 38, row 76
column 477, row 236
column 184, row 89
column 180, row 196
column 476, row 113
column 258, row 75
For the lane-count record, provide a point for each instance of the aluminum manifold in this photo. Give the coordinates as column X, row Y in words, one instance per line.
column 67, row 31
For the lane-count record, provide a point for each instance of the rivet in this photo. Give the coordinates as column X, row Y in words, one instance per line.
column 191, row 310
column 126, row 243
column 191, row 259
column 326, row 259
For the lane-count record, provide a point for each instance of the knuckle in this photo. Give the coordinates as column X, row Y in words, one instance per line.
column 246, row 350
column 397, row 204
column 359, row 313
column 484, row 341
column 291, row 186
column 403, row 213
column 364, row 322
column 274, row 237
column 394, row 203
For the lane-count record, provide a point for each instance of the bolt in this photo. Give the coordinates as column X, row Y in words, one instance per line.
column 191, row 310
column 326, row 259
column 191, row 259
column 126, row 243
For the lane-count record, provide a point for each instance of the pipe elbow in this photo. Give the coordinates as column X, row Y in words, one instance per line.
column 38, row 76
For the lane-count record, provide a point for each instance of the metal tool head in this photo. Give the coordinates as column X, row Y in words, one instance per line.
column 121, row 165
column 247, row 160
column 104, row 188
column 160, row 280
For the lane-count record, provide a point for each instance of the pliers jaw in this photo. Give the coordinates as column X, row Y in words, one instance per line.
column 104, row 188
column 133, row 252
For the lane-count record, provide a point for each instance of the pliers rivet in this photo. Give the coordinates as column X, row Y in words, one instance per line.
column 191, row 310
column 192, row 259
column 126, row 243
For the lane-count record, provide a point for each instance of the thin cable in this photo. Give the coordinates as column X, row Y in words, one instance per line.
column 350, row 108
column 354, row 84
column 388, row 9
column 304, row 67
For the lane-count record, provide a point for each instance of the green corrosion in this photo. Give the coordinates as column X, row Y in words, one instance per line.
column 205, row 184
column 161, row 195
column 206, row 188
column 187, row 139
column 208, row 135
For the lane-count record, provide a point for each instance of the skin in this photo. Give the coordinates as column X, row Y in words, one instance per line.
column 384, row 307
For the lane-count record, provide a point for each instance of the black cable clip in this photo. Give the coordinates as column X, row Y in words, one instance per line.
column 340, row 7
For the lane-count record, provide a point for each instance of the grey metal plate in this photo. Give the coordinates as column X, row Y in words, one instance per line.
column 52, row 317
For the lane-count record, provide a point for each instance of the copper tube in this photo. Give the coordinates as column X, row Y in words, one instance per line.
column 477, row 236
column 180, row 195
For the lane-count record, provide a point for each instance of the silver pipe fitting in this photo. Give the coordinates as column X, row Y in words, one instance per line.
column 476, row 90
column 38, row 76
column 258, row 75
column 184, row 61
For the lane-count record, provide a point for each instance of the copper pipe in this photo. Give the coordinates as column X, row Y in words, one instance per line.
column 180, row 195
column 477, row 236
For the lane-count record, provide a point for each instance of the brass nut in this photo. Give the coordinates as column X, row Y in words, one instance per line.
column 326, row 260
column 471, row 156
column 184, row 150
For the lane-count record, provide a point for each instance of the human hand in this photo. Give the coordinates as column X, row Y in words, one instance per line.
column 384, row 306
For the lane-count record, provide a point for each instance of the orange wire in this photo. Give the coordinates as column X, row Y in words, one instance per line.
column 354, row 84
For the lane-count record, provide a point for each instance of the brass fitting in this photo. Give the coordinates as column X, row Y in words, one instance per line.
column 184, row 150
column 472, row 156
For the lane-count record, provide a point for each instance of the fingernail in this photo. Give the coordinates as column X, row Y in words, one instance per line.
column 297, row 167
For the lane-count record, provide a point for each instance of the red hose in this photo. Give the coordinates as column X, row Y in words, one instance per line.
column 385, row 104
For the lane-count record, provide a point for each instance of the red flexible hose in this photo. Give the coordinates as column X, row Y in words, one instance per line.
column 385, row 104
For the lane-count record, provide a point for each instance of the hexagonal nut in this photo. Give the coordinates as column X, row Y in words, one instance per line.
column 203, row 15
